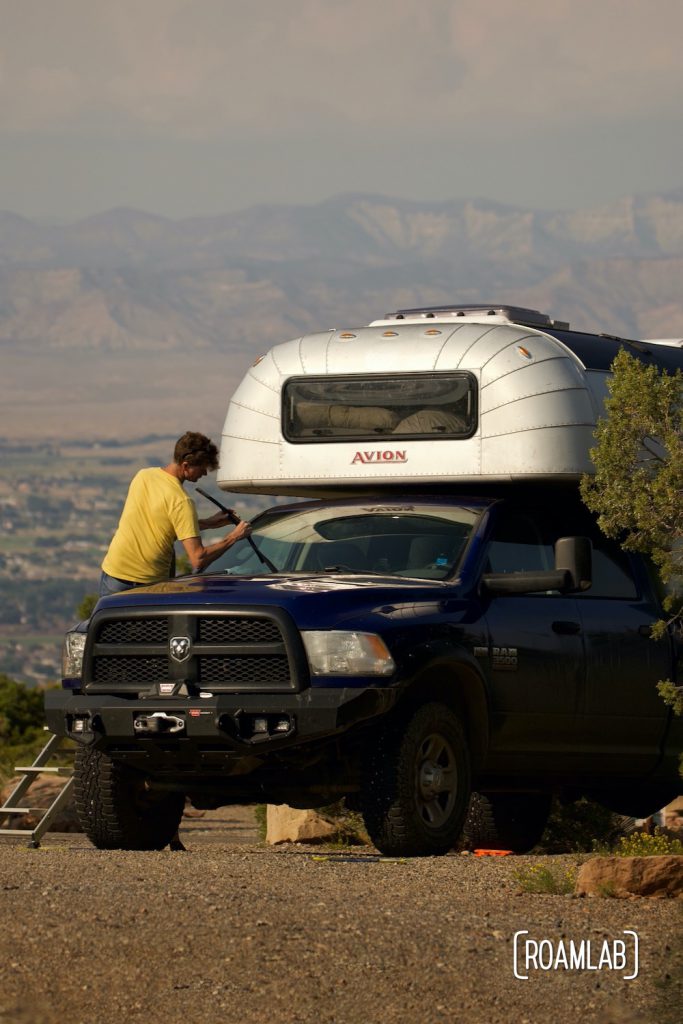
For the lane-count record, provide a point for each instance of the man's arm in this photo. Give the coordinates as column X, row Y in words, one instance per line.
column 216, row 521
column 201, row 556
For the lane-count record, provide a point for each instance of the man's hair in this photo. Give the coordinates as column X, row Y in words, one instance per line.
column 196, row 450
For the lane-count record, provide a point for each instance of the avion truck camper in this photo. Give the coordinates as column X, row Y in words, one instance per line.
column 436, row 612
column 421, row 397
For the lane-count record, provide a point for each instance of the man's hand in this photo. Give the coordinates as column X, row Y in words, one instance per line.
column 201, row 556
column 241, row 531
column 215, row 522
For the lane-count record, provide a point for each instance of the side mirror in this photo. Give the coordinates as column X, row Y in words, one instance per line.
column 572, row 572
column 574, row 555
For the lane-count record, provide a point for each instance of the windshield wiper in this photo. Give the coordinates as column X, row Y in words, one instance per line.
column 355, row 572
column 234, row 518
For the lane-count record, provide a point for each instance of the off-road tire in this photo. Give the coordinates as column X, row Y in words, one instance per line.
column 114, row 808
column 416, row 783
column 506, row 821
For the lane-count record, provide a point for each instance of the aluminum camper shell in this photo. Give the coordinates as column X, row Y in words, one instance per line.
column 529, row 391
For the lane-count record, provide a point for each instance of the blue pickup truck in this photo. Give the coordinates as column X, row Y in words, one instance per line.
column 398, row 642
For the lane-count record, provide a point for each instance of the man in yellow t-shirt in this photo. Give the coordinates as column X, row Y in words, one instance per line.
column 158, row 512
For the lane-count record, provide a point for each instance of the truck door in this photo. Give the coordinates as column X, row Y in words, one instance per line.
column 622, row 712
column 536, row 658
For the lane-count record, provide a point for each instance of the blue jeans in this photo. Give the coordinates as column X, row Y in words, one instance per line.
column 112, row 585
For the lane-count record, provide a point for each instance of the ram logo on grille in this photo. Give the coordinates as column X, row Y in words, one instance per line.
column 180, row 647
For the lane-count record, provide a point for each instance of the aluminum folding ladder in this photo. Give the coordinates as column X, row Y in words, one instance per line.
column 15, row 801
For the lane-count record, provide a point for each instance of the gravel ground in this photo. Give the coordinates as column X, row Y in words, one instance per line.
column 233, row 931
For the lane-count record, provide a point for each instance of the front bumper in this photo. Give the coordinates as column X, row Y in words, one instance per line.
column 231, row 726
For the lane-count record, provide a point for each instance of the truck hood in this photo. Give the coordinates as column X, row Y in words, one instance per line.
column 307, row 597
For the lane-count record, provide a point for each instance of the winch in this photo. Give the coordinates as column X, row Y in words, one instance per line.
column 159, row 721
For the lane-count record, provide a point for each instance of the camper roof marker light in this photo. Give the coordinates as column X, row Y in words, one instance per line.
column 513, row 314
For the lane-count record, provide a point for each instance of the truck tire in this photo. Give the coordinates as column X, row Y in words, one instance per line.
column 115, row 810
column 416, row 783
column 507, row 821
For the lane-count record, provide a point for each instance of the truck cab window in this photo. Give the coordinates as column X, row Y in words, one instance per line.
column 517, row 546
column 612, row 576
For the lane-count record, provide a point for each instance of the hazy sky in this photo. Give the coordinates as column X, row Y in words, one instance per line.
column 187, row 107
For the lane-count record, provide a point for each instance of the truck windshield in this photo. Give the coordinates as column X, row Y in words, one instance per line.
column 423, row 541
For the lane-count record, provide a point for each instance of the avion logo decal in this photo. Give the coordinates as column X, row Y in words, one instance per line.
column 380, row 456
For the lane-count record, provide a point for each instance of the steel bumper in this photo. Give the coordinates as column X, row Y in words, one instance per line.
column 244, row 723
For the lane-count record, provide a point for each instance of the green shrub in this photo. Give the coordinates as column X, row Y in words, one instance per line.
column 640, row 844
column 21, row 724
column 260, row 813
column 86, row 607
column 350, row 827
column 579, row 826
column 550, row 881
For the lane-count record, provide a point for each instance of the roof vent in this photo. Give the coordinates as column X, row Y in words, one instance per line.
column 515, row 314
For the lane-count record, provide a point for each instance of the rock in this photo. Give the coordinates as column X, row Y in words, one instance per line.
column 192, row 812
column 631, row 876
column 41, row 794
column 288, row 825
column 672, row 816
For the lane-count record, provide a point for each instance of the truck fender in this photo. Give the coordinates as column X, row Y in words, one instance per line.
column 454, row 678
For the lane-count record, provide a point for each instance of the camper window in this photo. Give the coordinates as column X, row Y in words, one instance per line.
column 414, row 405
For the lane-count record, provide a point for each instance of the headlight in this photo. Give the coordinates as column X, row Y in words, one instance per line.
column 72, row 654
column 338, row 652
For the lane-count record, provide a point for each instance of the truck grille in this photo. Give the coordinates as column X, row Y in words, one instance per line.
column 134, row 631
column 238, row 631
column 133, row 670
column 255, row 652
column 247, row 671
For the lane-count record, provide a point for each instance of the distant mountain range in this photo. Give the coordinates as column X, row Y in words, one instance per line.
column 126, row 283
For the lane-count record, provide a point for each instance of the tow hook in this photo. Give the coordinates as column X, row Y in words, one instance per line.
column 159, row 721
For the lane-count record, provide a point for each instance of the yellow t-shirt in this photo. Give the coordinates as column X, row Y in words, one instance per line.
column 157, row 512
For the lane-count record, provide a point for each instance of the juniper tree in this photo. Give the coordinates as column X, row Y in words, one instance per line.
column 637, row 489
